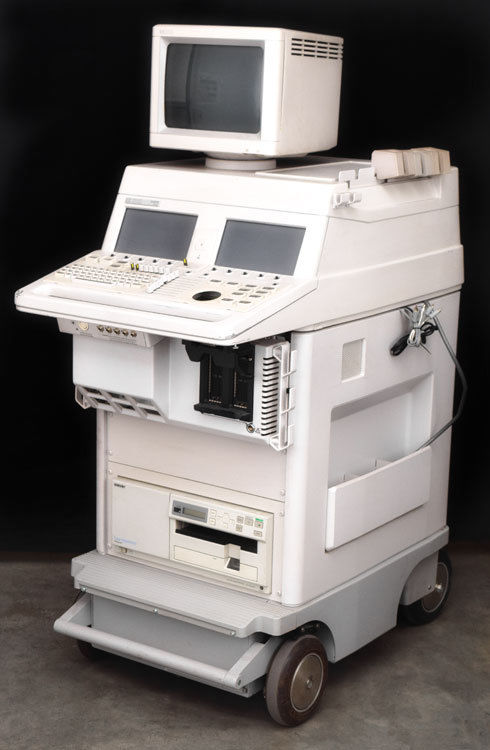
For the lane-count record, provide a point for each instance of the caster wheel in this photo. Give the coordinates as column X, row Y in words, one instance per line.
column 296, row 680
column 89, row 652
column 429, row 607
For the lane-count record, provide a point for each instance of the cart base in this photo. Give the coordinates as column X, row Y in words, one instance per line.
column 227, row 638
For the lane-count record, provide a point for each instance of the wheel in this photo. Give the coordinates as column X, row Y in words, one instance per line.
column 430, row 606
column 90, row 652
column 296, row 680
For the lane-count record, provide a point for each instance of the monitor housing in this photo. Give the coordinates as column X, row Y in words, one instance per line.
column 244, row 92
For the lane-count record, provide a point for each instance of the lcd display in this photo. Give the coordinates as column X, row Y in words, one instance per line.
column 214, row 87
column 195, row 513
column 156, row 233
column 272, row 248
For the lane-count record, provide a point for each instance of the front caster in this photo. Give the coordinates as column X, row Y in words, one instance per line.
column 89, row 652
column 296, row 680
column 430, row 606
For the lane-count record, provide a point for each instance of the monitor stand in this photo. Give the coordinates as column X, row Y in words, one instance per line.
column 238, row 162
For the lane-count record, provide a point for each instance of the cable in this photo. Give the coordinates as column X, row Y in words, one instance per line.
column 424, row 322
column 427, row 329
column 464, row 384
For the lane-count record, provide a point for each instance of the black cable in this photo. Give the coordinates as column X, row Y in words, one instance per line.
column 401, row 344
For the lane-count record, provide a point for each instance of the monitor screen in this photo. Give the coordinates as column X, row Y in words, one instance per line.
column 272, row 248
column 214, row 87
column 157, row 233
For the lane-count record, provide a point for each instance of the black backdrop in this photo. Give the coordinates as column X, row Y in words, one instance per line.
column 74, row 109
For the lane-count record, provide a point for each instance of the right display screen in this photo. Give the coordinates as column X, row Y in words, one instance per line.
column 254, row 246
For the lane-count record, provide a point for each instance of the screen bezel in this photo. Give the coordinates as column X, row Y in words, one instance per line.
column 272, row 83
column 211, row 221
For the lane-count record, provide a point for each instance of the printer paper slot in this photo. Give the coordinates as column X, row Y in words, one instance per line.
column 216, row 536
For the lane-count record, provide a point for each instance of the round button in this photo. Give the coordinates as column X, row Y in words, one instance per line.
column 206, row 296
column 83, row 326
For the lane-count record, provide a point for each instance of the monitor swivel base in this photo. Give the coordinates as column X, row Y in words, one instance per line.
column 238, row 162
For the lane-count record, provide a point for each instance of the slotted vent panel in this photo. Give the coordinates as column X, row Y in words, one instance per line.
column 118, row 403
column 270, row 396
column 318, row 48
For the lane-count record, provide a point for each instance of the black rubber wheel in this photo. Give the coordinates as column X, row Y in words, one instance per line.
column 89, row 652
column 296, row 680
column 430, row 606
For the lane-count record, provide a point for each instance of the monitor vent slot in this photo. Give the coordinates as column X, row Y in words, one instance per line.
column 270, row 396
column 117, row 403
column 318, row 48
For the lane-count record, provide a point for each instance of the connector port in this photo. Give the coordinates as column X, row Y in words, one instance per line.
column 226, row 379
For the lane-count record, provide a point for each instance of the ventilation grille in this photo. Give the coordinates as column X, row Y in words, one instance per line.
column 353, row 357
column 270, row 396
column 118, row 403
column 316, row 48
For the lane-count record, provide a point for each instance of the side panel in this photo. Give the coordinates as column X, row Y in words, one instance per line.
column 383, row 414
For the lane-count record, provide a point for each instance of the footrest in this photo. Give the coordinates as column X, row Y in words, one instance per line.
column 205, row 604
column 240, row 675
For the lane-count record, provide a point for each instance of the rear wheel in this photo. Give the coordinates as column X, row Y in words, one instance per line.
column 430, row 606
column 296, row 680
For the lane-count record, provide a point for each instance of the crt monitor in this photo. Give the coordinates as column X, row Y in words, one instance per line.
column 244, row 91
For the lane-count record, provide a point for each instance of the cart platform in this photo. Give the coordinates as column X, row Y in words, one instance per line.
column 192, row 600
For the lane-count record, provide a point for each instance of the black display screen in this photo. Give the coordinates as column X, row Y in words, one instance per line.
column 272, row 248
column 214, row 87
column 157, row 233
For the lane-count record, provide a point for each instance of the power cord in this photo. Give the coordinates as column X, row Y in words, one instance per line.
column 424, row 321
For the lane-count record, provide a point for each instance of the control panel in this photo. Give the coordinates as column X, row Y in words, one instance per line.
column 222, row 540
column 144, row 282
column 245, row 522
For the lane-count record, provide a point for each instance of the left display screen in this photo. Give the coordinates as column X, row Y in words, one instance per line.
column 160, row 234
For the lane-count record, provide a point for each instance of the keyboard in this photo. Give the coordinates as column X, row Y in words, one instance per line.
column 163, row 286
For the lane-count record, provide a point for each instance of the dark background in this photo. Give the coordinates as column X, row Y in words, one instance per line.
column 74, row 110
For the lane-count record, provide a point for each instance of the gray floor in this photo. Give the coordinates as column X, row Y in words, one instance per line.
column 426, row 687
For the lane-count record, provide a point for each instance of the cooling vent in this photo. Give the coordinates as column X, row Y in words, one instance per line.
column 316, row 48
column 270, row 396
column 117, row 403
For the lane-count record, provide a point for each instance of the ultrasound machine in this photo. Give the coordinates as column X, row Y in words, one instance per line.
column 268, row 339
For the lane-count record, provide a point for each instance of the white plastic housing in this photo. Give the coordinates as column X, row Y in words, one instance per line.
column 300, row 91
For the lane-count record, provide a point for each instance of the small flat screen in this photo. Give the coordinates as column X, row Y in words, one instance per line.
column 272, row 248
column 214, row 87
column 156, row 233
column 193, row 512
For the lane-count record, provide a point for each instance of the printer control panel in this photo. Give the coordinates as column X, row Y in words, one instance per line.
column 227, row 517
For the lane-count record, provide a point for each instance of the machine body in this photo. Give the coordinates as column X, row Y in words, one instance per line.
column 263, row 466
